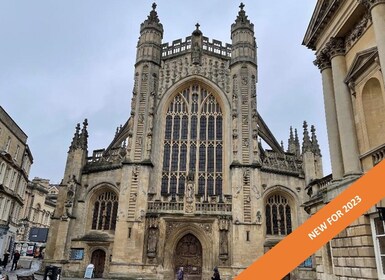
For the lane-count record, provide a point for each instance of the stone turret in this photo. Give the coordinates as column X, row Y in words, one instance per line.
column 311, row 154
column 293, row 143
column 77, row 153
column 243, row 69
column 150, row 40
column 148, row 61
column 243, row 40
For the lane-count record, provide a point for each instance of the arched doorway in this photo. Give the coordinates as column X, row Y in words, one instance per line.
column 188, row 254
column 98, row 259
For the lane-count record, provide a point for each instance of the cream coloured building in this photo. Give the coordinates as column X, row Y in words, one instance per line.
column 39, row 205
column 186, row 182
column 349, row 41
column 15, row 163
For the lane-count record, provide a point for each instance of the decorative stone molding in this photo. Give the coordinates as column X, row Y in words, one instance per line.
column 323, row 60
column 214, row 69
column 357, row 31
column 336, row 46
column 370, row 4
column 172, row 226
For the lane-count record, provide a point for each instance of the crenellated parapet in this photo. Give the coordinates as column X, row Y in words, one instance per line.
column 182, row 46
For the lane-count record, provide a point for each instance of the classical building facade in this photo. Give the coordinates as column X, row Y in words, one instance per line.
column 15, row 162
column 186, row 181
column 349, row 40
column 39, row 205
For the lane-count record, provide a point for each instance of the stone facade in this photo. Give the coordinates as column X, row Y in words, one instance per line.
column 186, row 180
column 39, row 205
column 349, row 40
column 15, row 163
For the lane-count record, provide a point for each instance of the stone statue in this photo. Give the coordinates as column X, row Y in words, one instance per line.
column 152, row 242
column 223, row 246
column 189, row 192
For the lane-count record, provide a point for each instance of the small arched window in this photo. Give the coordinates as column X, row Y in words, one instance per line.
column 105, row 211
column 374, row 111
column 2, row 172
column 278, row 215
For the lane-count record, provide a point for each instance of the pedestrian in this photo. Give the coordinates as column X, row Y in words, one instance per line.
column 179, row 275
column 216, row 275
column 16, row 257
column 5, row 260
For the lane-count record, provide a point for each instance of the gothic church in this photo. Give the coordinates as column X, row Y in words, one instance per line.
column 186, row 181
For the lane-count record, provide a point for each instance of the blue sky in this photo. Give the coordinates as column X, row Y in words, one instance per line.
column 63, row 61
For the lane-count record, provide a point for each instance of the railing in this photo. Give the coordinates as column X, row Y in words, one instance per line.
column 319, row 185
column 217, row 47
column 166, row 207
column 211, row 208
column 377, row 154
column 179, row 46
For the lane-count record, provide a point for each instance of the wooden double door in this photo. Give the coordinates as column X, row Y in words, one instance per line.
column 188, row 254
column 98, row 259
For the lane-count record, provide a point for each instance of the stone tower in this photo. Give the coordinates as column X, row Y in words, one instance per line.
column 186, row 180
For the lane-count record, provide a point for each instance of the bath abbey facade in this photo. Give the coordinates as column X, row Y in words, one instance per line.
column 194, row 178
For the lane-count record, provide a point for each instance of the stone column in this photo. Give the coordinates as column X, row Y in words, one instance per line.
column 324, row 64
column 377, row 10
column 343, row 101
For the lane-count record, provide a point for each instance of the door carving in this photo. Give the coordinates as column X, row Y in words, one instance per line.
column 98, row 259
column 188, row 254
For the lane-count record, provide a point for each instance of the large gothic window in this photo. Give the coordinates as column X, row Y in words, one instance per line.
column 278, row 215
column 193, row 143
column 105, row 211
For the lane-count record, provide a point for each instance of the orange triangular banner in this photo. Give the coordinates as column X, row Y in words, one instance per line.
column 320, row 228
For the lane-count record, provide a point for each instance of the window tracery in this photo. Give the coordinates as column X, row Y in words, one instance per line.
column 105, row 211
column 278, row 215
column 193, row 142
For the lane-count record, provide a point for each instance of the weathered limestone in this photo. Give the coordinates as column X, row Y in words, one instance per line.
column 324, row 64
column 344, row 108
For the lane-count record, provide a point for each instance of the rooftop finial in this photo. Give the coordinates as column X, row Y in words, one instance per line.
column 306, row 144
column 154, row 6
column 242, row 6
column 197, row 25
column 75, row 139
column 84, row 135
column 291, row 143
column 314, row 142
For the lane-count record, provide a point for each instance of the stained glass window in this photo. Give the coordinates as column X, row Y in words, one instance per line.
column 278, row 215
column 105, row 211
column 193, row 142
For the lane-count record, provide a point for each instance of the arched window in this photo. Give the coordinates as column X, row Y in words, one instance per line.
column 2, row 172
column 193, row 143
column 278, row 215
column 105, row 211
column 374, row 111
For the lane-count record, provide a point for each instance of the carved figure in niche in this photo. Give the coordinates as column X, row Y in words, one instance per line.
column 257, row 192
column 149, row 143
column 235, row 143
column 151, row 101
column 189, row 192
column 255, row 144
column 223, row 248
column 70, row 196
column 238, row 190
column 246, row 142
column 141, row 118
column 144, row 76
column 235, row 123
column 152, row 242
column 149, row 123
column 259, row 217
